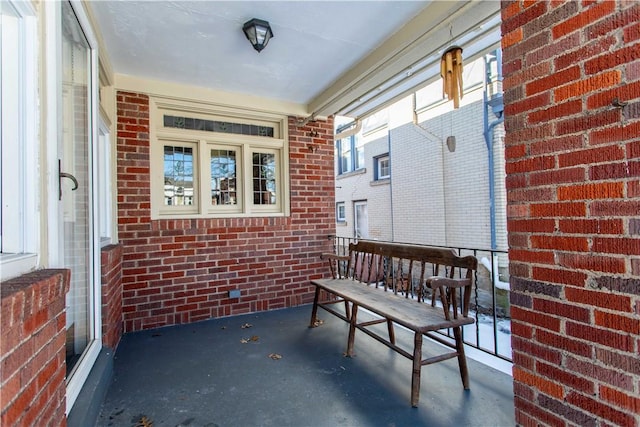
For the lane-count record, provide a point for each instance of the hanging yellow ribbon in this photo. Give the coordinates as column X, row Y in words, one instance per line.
column 451, row 73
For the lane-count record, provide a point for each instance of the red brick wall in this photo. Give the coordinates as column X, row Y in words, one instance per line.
column 32, row 349
column 179, row 271
column 572, row 106
column 111, row 283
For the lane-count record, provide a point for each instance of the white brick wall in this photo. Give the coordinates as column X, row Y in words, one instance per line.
column 467, row 180
column 434, row 196
column 418, row 192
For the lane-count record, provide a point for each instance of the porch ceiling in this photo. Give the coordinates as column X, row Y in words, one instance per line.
column 326, row 57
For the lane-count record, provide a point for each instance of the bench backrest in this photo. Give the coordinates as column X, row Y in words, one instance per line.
column 410, row 269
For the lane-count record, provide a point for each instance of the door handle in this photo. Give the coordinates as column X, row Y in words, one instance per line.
column 65, row 175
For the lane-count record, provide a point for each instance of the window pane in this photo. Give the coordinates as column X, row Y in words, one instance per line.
column 361, row 226
column 340, row 212
column 104, row 185
column 76, row 160
column 264, row 179
column 223, row 177
column 178, row 176
column 12, row 148
column 217, row 126
column 383, row 167
column 359, row 157
column 345, row 155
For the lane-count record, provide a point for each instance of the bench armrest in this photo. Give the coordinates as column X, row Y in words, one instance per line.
column 448, row 297
column 337, row 264
column 329, row 256
column 437, row 281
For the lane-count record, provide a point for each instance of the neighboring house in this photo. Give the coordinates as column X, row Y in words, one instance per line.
column 418, row 171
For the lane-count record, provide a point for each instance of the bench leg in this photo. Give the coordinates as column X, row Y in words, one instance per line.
column 417, row 367
column 314, row 311
column 352, row 330
column 462, row 360
column 392, row 334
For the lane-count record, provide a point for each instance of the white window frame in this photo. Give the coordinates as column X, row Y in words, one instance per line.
column 341, row 216
column 52, row 81
column 192, row 208
column 203, row 142
column 360, row 226
column 20, row 225
column 354, row 146
column 105, row 206
column 379, row 160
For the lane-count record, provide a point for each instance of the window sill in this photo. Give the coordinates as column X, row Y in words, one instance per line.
column 383, row 181
column 352, row 173
column 168, row 216
column 105, row 241
column 14, row 265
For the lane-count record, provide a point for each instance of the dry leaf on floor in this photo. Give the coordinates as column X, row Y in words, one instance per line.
column 275, row 356
column 244, row 340
column 255, row 338
column 144, row 422
column 246, row 325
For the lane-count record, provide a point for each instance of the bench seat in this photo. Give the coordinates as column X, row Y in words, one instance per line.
column 409, row 313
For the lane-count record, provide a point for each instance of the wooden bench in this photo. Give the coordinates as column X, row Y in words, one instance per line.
column 392, row 281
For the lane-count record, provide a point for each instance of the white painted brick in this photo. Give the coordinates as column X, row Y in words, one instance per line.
column 435, row 196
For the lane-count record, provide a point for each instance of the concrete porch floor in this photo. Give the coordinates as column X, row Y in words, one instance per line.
column 205, row 374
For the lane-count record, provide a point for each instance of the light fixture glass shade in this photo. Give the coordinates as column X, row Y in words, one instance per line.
column 258, row 32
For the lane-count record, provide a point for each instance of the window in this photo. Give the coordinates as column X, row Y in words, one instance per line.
column 18, row 121
column 341, row 214
column 104, row 184
column 223, row 177
column 264, row 179
column 350, row 154
column 360, row 220
column 178, row 175
column 217, row 162
column 382, row 167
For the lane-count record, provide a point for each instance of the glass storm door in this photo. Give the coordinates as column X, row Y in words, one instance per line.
column 361, row 220
column 75, row 195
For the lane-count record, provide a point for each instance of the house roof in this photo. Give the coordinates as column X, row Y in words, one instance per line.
column 326, row 57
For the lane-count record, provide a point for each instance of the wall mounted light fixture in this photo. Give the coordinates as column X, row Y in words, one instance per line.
column 258, row 32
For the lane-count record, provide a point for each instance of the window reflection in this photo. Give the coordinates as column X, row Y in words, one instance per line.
column 223, row 177
column 264, row 179
column 178, row 176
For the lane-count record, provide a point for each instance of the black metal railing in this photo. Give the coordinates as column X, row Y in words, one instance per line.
column 491, row 333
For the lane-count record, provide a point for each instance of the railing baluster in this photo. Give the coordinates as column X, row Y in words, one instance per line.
column 341, row 245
